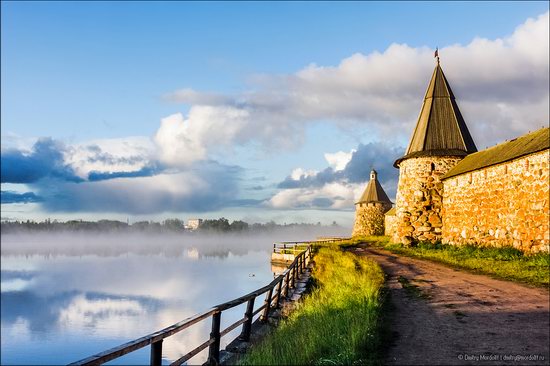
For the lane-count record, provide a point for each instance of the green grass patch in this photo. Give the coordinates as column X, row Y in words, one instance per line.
column 338, row 323
column 356, row 240
column 505, row 263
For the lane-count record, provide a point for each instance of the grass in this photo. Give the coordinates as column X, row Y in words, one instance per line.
column 506, row 263
column 338, row 323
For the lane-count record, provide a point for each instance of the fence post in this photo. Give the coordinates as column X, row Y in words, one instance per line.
column 156, row 353
column 279, row 287
column 214, row 349
column 267, row 304
column 287, row 282
column 247, row 326
column 294, row 275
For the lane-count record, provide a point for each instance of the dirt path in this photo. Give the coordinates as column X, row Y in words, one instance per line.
column 442, row 316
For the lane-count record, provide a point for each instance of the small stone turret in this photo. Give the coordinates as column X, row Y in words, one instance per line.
column 439, row 141
column 370, row 209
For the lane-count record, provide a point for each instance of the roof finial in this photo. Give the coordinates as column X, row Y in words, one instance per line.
column 436, row 54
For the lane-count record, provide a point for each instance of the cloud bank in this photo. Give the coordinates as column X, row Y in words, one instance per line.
column 501, row 86
column 205, row 187
column 116, row 176
column 339, row 185
column 15, row 197
column 44, row 160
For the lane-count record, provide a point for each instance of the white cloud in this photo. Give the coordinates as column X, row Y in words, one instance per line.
column 336, row 195
column 181, row 142
column 339, row 160
column 109, row 155
column 174, row 141
column 300, row 173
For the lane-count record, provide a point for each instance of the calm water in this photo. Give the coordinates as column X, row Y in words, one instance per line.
column 65, row 297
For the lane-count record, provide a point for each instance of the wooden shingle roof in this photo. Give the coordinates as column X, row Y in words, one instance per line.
column 374, row 191
column 440, row 129
column 527, row 144
column 392, row 212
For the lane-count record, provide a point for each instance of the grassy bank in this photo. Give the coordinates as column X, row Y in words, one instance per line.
column 506, row 263
column 337, row 323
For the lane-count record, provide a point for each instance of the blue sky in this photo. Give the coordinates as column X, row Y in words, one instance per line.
column 258, row 92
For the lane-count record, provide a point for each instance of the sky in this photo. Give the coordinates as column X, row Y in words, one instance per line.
column 249, row 110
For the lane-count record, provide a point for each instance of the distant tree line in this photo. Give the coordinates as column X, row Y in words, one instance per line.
column 169, row 225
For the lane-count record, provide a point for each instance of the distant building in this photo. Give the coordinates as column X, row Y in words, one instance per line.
column 193, row 224
column 370, row 209
column 193, row 253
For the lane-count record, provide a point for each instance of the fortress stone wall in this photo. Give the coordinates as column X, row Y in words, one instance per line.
column 420, row 197
column 390, row 223
column 501, row 205
column 369, row 219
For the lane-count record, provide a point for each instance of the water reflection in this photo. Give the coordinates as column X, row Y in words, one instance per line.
column 63, row 303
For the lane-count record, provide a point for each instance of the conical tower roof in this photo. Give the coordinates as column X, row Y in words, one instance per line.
column 440, row 129
column 374, row 191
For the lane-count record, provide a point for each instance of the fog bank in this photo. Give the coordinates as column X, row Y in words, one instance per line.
column 168, row 244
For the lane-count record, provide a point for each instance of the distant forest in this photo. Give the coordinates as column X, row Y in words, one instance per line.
column 169, row 225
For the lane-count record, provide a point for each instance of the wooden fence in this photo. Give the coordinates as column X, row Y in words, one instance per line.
column 278, row 288
column 293, row 247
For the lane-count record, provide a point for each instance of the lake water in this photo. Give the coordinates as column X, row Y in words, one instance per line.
column 66, row 297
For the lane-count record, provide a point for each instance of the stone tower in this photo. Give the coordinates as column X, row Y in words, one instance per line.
column 439, row 141
column 370, row 209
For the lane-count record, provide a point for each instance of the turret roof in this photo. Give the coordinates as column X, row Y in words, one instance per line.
column 440, row 129
column 374, row 191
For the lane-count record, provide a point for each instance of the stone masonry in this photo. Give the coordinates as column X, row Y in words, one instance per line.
column 369, row 219
column 390, row 222
column 370, row 209
column 420, row 197
column 501, row 205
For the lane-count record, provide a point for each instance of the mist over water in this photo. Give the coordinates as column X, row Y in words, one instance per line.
column 115, row 243
column 66, row 296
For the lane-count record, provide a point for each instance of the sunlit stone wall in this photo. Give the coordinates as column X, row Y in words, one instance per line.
column 420, row 197
column 369, row 218
column 390, row 224
column 501, row 205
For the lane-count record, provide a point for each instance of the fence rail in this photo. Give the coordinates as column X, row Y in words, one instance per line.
column 274, row 291
column 293, row 247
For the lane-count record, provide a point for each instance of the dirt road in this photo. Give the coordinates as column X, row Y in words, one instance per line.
column 442, row 316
